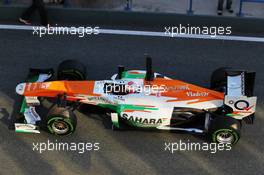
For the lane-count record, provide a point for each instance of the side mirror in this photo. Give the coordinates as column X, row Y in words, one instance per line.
column 149, row 72
column 121, row 69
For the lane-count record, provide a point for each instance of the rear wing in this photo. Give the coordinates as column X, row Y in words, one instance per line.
column 239, row 94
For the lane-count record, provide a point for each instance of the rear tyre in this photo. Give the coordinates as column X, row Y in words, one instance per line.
column 225, row 130
column 71, row 70
column 218, row 79
column 61, row 121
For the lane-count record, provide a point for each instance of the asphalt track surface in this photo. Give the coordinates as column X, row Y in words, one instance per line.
column 126, row 152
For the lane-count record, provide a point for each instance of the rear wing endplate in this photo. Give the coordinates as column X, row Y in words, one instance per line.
column 239, row 93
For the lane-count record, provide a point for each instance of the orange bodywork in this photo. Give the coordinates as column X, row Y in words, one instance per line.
column 53, row 88
column 183, row 91
column 177, row 89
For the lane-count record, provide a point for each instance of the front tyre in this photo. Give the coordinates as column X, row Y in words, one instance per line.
column 225, row 130
column 61, row 121
column 71, row 70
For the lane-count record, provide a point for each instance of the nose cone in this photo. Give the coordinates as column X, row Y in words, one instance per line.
column 20, row 88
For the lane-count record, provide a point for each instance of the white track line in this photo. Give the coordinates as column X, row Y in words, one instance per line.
column 149, row 33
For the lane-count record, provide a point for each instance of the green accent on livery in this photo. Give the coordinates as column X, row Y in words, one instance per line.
column 116, row 123
column 127, row 74
column 108, row 106
column 123, row 107
column 231, row 115
column 23, row 131
column 134, row 107
column 24, row 104
column 120, row 108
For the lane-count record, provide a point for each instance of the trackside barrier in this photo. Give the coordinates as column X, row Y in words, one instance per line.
column 128, row 5
column 66, row 2
column 7, row 2
column 241, row 5
column 190, row 10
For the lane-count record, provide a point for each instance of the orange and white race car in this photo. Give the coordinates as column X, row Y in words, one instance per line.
column 139, row 99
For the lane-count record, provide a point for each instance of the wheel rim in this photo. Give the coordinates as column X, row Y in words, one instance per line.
column 225, row 137
column 60, row 127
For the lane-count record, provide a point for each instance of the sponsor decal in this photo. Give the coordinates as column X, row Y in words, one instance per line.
column 130, row 83
column 144, row 121
column 197, row 94
column 99, row 99
column 29, row 86
column 34, row 86
column 242, row 105
column 177, row 88
column 248, row 108
column 119, row 97
column 45, row 85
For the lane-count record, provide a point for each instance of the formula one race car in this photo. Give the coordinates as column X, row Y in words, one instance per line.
column 139, row 99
